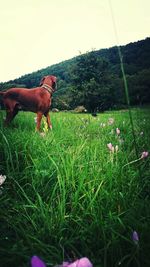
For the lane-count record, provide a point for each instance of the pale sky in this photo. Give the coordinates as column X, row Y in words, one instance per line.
column 36, row 34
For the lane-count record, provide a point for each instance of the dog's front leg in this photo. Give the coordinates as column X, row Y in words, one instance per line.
column 39, row 118
column 48, row 121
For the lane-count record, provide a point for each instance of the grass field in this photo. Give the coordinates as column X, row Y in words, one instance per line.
column 67, row 195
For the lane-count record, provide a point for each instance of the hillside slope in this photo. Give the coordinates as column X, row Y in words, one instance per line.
column 136, row 58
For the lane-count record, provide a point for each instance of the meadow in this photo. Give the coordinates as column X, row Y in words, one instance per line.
column 81, row 189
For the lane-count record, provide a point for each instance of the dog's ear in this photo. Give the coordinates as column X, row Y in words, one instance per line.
column 42, row 81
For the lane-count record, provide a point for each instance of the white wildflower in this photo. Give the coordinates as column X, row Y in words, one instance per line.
column 2, row 179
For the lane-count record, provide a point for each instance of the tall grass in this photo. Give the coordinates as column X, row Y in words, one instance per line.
column 66, row 195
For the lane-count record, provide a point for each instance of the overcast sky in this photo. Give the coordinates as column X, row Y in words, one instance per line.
column 39, row 33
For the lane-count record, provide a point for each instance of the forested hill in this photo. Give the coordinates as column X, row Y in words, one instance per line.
column 94, row 79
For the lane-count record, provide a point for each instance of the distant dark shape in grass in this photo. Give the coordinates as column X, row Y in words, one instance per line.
column 94, row 114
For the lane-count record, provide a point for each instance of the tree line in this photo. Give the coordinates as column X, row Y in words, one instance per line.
column 94, row 79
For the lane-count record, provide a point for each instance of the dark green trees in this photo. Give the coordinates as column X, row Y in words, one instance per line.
column 92, row 83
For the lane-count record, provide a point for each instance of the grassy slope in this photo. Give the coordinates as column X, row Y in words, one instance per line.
column 67, row 196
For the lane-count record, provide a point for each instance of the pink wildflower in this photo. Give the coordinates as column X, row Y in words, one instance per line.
column 83, row 262
column 110, row 146
column 37, row 262
column 144, row 154
column 117, row 131
column 135, row 237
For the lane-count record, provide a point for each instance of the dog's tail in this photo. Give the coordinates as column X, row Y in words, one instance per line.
column 1, row 98
column 2, row 93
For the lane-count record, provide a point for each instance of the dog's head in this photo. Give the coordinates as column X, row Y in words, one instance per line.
column 49, row 80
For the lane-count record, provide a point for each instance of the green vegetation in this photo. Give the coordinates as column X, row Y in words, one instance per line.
column 95, row 80
column 67, row 195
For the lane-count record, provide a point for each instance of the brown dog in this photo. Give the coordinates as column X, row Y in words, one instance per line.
column 37, row 100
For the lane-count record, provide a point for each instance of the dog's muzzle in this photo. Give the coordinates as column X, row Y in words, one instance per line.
column 54, row 86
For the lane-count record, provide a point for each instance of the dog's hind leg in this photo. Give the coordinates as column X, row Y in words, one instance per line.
column 11, row 110
column 10, row 114
column 9, row 117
